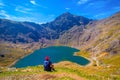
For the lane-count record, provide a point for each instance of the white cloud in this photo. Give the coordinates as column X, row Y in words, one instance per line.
column 103, row 15
column 67, row 8
column 42, row 18
column 99, row 15
column 82, row 1
column 4, row 14
column 22, row 9
column 22, row 18
column 2, row 4
column 41, row 22
column 33, row 2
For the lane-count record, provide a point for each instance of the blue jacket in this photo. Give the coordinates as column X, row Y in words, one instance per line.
column 47, row 64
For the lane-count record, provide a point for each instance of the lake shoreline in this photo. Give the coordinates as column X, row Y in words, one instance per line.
column 90, row 60
column 13, row 64
column 90, row 63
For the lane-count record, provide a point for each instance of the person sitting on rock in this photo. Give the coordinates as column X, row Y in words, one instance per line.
column 48, row 66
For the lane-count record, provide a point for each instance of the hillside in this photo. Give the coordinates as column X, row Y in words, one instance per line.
column 98, row 40
column 22, row 32
column 99, row 36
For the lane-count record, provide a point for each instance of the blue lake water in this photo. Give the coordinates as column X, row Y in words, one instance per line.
column 56, row 54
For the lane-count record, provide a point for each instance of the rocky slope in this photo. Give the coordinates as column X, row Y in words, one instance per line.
column 99, row 36
column 24, row 32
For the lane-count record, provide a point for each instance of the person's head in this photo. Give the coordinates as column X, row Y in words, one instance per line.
column 47, row 58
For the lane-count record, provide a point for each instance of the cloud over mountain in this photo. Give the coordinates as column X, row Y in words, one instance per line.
column 33, row 2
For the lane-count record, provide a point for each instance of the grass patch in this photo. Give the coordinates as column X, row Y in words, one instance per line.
column 83, row 53
column 64, row 69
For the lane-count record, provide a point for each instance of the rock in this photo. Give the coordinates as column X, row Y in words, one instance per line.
column 12, row 69
column 1, row 55
column 114, row 43
column 27, row 70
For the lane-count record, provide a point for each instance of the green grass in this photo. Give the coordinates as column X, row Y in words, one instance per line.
column 64, row 78
column 83, row 53
column 68, row 68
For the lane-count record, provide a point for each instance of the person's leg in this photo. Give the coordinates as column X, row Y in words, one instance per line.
column 52, row 67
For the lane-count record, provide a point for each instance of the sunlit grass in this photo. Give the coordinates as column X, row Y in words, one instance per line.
column 68, row 68
column 11, row 54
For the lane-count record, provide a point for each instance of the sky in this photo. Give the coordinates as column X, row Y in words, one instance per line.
column 42, row 11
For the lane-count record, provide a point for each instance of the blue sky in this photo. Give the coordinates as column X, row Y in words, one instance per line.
column 41, row 11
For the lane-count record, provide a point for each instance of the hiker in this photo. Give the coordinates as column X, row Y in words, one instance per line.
column 48, row 66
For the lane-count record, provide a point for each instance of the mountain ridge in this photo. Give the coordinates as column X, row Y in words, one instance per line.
column 34, row 31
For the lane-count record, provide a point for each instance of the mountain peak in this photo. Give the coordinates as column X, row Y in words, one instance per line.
column 65, row 16
column 67, row 13
column 66, row 21
column 69, row 16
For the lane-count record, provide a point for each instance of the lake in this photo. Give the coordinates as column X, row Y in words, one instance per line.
column 56, row 54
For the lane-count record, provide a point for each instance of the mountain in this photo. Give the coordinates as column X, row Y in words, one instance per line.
column 16, row 31
column 26, row 32
column 68, row 29
column 65, row 22
column 98, row 37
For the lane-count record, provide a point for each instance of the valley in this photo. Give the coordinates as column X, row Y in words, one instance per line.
column 98, row 40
